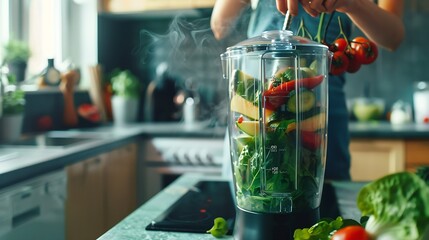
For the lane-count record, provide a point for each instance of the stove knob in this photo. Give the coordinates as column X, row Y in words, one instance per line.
column 176, row 158
column 199, row 159
column 209, row 159
column 187, row 158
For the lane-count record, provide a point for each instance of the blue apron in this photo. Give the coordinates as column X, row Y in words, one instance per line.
column 266, row 17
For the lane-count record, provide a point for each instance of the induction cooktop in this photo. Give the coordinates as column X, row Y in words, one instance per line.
column 196, row 210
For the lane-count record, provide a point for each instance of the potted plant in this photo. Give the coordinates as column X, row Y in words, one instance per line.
column 13, row 106
column 126, row 94
column 16, row 54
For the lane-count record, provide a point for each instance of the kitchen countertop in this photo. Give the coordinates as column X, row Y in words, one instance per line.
column 133, row 226
column 20, row 163
column 383, row 129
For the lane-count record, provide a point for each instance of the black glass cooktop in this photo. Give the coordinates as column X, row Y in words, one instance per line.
column 196, row 210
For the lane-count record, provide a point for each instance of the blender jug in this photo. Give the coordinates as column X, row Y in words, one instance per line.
column 277, row 127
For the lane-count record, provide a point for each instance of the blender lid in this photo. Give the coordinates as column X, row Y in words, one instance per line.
column 277, row 39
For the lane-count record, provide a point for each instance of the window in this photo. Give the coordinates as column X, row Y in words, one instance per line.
column 59, row 29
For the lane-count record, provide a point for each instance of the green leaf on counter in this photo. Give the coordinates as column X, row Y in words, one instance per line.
column 220, row 228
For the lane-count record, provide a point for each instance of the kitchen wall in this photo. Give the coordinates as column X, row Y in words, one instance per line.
column 393, row 74
column 142, row 41
column 181, row 39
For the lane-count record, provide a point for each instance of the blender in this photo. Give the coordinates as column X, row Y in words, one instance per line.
column 277, row 126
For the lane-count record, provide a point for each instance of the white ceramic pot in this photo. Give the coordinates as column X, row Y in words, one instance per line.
column 10, row 127
column 124, row 110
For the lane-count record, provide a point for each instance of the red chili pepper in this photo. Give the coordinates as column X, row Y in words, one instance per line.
column 285, row 88
column 276, row 96
column 240, row 119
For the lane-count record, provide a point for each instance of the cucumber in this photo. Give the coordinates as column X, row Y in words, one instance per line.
column 245, row 85
column 307, row 101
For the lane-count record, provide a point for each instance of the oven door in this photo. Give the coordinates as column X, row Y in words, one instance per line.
column 165, row 158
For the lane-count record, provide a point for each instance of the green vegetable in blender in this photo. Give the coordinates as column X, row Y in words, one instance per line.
column 246, row 86
column 397, row 206
column 220, row 228
column 307, row 101
column 255, row 163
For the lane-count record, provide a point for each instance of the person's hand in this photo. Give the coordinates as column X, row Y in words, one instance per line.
column 312, row 7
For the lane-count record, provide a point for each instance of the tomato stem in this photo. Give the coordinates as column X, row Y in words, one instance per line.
column 340, row 23
column 303, row 31
column 327, row 25
column 319, row 29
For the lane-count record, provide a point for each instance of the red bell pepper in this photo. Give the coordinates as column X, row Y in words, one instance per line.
column 276, row 96
column 311, row 140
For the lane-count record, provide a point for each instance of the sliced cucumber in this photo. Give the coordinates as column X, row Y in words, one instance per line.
column 306, row 101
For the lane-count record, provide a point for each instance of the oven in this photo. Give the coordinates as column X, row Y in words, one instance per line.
column 163, row 159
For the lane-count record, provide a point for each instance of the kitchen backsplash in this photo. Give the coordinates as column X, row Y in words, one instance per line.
column 393, row 74
column 141, row 42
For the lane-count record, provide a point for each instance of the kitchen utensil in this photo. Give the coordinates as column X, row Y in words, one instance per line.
column 421, row 102
column 401, row 113
column 96, row 91
column 277, row 128
column 368, row 109
column 287, row 21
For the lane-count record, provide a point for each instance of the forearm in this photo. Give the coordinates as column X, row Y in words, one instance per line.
column 224, row 14
column 382, row 24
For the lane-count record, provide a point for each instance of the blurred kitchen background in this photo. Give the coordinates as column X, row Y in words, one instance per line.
column 79, row 55
column 170, row 49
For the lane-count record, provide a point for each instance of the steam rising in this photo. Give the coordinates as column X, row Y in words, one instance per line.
column 193, row 57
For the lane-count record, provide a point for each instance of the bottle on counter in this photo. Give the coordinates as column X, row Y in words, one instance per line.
column 51, row 76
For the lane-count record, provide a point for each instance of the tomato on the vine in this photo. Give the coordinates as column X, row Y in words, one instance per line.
column 354, row 64
column 339, row 63
column 366, row 50
column 340, row 44
column 353, row 232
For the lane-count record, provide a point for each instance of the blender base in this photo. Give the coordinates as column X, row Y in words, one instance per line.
column 272, row 226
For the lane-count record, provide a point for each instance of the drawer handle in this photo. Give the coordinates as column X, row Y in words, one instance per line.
column 25, row 216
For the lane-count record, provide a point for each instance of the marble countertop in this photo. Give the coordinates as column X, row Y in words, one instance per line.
column 133, row 226
column 19, row 162
column 383, row 129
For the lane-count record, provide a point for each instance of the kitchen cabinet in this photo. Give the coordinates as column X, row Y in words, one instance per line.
column 374, row 158
column 417, row 153
column 121, row 190
column 101, row 192
column 122, row 6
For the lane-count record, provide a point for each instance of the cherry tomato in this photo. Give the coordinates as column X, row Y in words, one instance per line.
column 351, row 233
column 366, row 50
column 354, row 64
column 339, row 63
column 340, row 45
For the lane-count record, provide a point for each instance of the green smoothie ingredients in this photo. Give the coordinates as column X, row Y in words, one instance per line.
column 279, row 169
